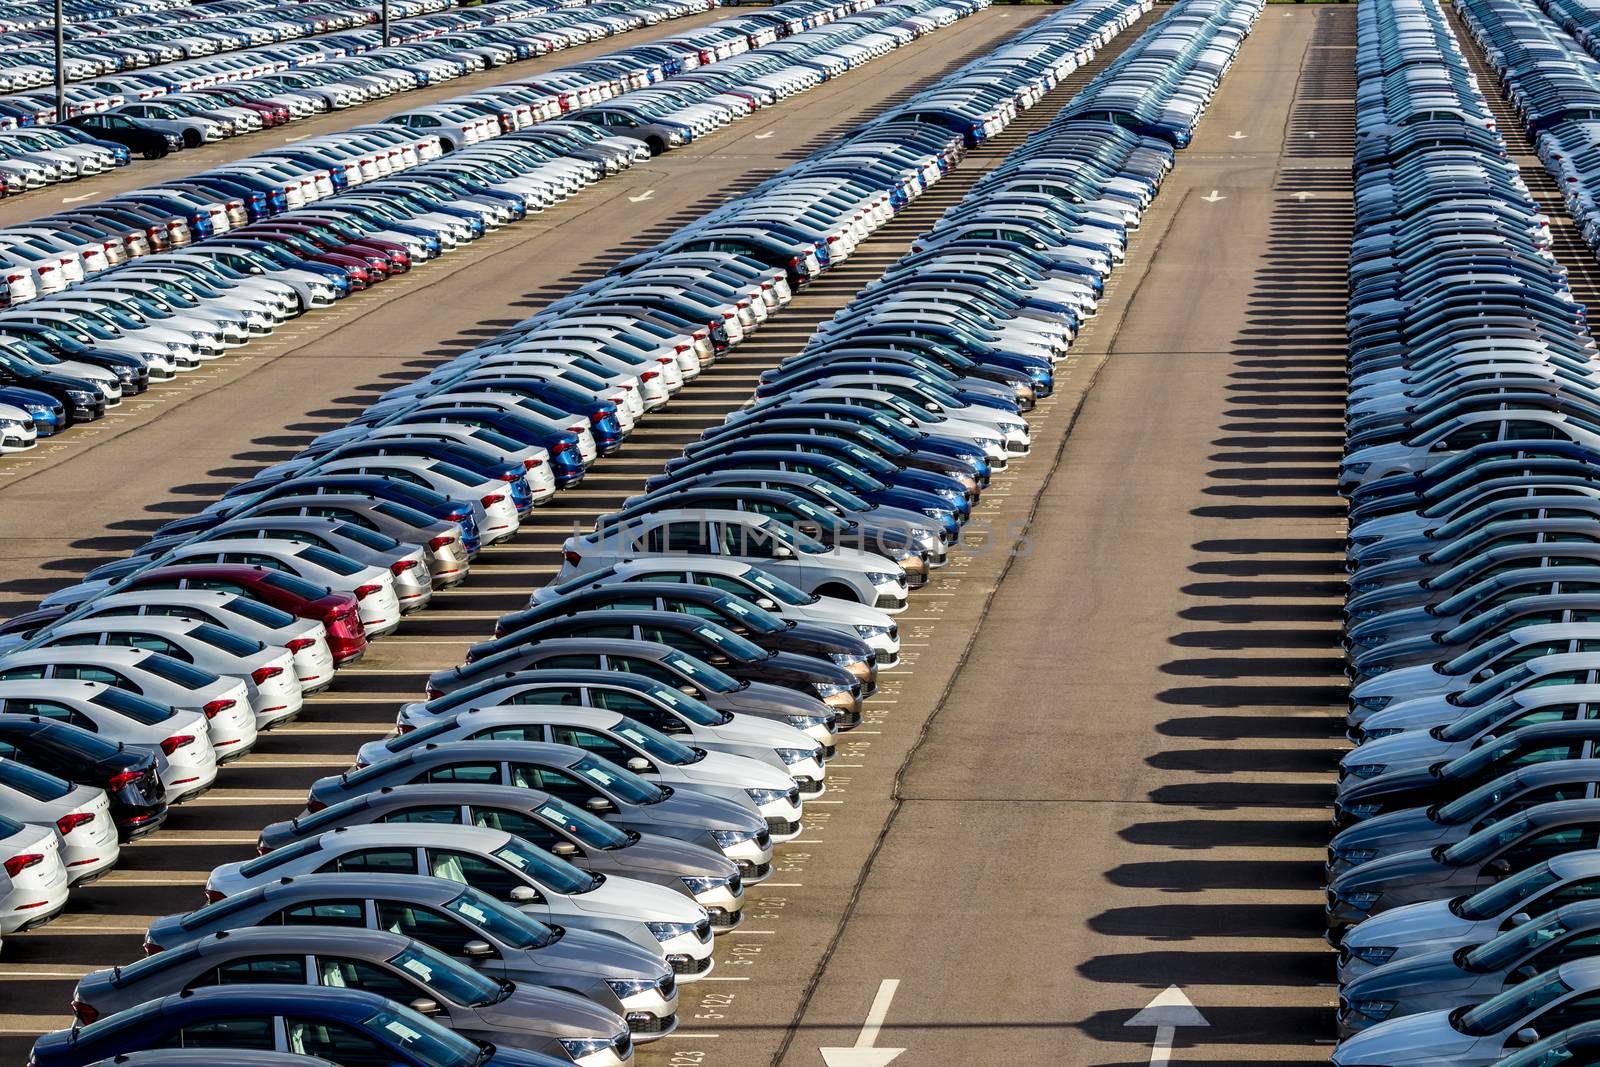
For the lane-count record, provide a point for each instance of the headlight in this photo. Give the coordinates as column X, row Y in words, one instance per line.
column 883, row 578
column 81, row 396
column 1376, row 1010
column 1367, row 770
column 935, row 513
column 668, row 931
column 1364, row 900
column 1364, row 811
column 1384, row 731
column 12, row 424
column 632, row 987
column 1356, row 855
column 767, row 796
column 808, row 722
column 704, row 885
column 844, row 659
column 579, row 1047
column 829, row 689
column 872, row 631
column 729, row 838
column 1374, row 703
column 796, row 755
column 1377, row 955
column 1358, row 468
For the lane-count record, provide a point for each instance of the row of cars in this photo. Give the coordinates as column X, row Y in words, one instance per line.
column 155, row 112
column 150, row 283
column 1464, row 874
column 568, row 820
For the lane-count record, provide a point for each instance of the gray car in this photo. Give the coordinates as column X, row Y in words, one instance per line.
column 562, row 829
column 205, row 1057
column 688, row 674
column 1470, row 974
column 459, row 921
column 448, row 559
column 473, row 1004
column 582, row 778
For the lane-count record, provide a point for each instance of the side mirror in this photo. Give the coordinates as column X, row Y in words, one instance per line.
column 1526, row 1036
column 564, row 848
column 638, row 765
column 524, row 894
column 1500, row 866
column 477, row 949
column 689, row 690
column 1521, row 917
column 782, row 552
column 767, row 604
column 1523, row 973
column 598, row 805
column 717, row 660
column 930, row 406
column 426, row 1006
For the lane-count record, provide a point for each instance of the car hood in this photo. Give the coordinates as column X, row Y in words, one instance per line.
column 760, row 697
column 628, row 898
column 1432, row 973
column 1409, row 868
column 601, row 955
column 720, row 768
column 664, row 854
column 1401, row 1040
column 549, row 1011
column 1413, row 748
column 688, row 808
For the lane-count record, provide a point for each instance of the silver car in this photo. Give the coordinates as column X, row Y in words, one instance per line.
column 81, row 815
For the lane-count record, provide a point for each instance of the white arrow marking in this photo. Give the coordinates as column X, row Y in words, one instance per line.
column 1169, row 1010
column 642, row 197
column 1237, row 135
column 863, row 1053
column 1303, row 196
column 302, row 137
column 1214, row 197
column 1311, row 134
column 763, row 136
column 75, row 199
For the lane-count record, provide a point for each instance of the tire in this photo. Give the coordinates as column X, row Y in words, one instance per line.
column 657, row 145
column 191, row 139
column 155, row 153
column 838, row 592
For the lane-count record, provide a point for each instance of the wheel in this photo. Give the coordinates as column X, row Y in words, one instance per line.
column 838, row 592
column 657, row 145
column 155, row 153
column 191, row 139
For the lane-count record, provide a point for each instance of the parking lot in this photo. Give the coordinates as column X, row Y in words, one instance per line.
column 1103, row 765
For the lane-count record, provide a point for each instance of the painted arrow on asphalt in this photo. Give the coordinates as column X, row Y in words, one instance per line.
column 764, row 136
column 1237, row 135
column 1303, row 196
column 1167, row 1012
column 76, row 199
column 642, row 197
column 865, row 1053
column 1213, row 197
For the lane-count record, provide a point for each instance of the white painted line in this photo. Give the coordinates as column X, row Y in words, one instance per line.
column 779, row 885
column 716, row 978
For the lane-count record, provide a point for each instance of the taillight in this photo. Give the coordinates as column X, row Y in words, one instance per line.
column 300, row 644
column 22, row 861
column 313, row 806
column 122, row 780
column 530, row 464
column 439, row 542
column 571, row 556
column 401, row 566
column 560, row 447
column 68, row 823
column 492, row 499
column 85, row 1013
column 261, row 847
column 214, row 708
column 177, row 741
column 648, row 375
column 404, row 728
column 151, row 948
column 212, row 896
column 364, row 591
column 261, row 674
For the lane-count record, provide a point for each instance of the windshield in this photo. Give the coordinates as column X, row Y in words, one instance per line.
column 134, row 707
column 592, row 831
column 624, row 783
column 777, row 588
column 550, row 872
column 1486, row 842
column 1481, row 800
column 1491, row 686
column 329, row 561
column 179, row 673
column 688, row 707
column 702, row 673
column 1504, row 1011
column 840, row 498
column 428, row 1042
column 230, row 643
column 1468, row 726
column 726, row 639
column 1512, row 945
column 264, row 614
column 657, row 745
column 1501, row 897
column 505, row 925
column 458, row 983
column 758, row 619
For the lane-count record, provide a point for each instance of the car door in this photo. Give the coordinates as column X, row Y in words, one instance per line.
column 344, row 972
column 337, row 1043
column 487, row 876
column 531, row 829
column 1543, row 845
column 638, row 707
column 255, row 1032
column 428, row 925
column 50, row 709
column 488, row 772
column 346, row 913
column 600, row 744
column 280, row 969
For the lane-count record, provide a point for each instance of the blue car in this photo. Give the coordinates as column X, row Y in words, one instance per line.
column 49, row 414
column 348, row 1027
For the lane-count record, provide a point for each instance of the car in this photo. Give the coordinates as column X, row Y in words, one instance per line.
column 131, row 780
column 35, row 889
column 81, row 815
column 505, row 867
column 469, row 926
column 468, row 1002
column 337, row 1023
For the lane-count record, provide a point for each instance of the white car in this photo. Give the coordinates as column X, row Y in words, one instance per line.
column 34, row 888
column 507, row 868
column 18, row 433
column 81, row 815
column 741, row 537
column 176, row 736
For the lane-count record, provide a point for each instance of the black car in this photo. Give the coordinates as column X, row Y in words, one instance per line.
column 131, row 779
column 126, row 130
column 755, row 624
column 701, row 638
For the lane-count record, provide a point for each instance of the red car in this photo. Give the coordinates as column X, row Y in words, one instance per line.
column 337, row 612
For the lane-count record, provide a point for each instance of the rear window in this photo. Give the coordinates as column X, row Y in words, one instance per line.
column 178, row 673
column 233, row 644
column 401, row 513
column 8, row 827
column 367, row 538
column 279, row 856
column 221, row 909
column 134, row 707
column 34, row 783
column 81, row 743
column 329, row 561
column 261, row 613
column 133, row 972
column 298, row 586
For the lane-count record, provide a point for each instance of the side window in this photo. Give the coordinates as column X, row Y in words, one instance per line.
column 638, row 708
column 581, row 663
column 556, row 783
column 468, row 869
column 565, row 696
column 426, row 925
column 679, row 537
column 49, row 709
column 1575, row 948
column 515, row 822
column 323, row 913
column 21, row 674
column 445, row 814
column 1551, row 843
column 1578, row 1009
column 359, row 974
column 375, row 861
column 513, row 733
column 86, row 673
column 1571, row 893
column 483, row 773
column 254, row 1032
column 590, row 741
column 76, row 641
column 337, row 1044
column 279, row 970
column 673, row 639
column 150, row 641
column 645, row 668
column 219, row 584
